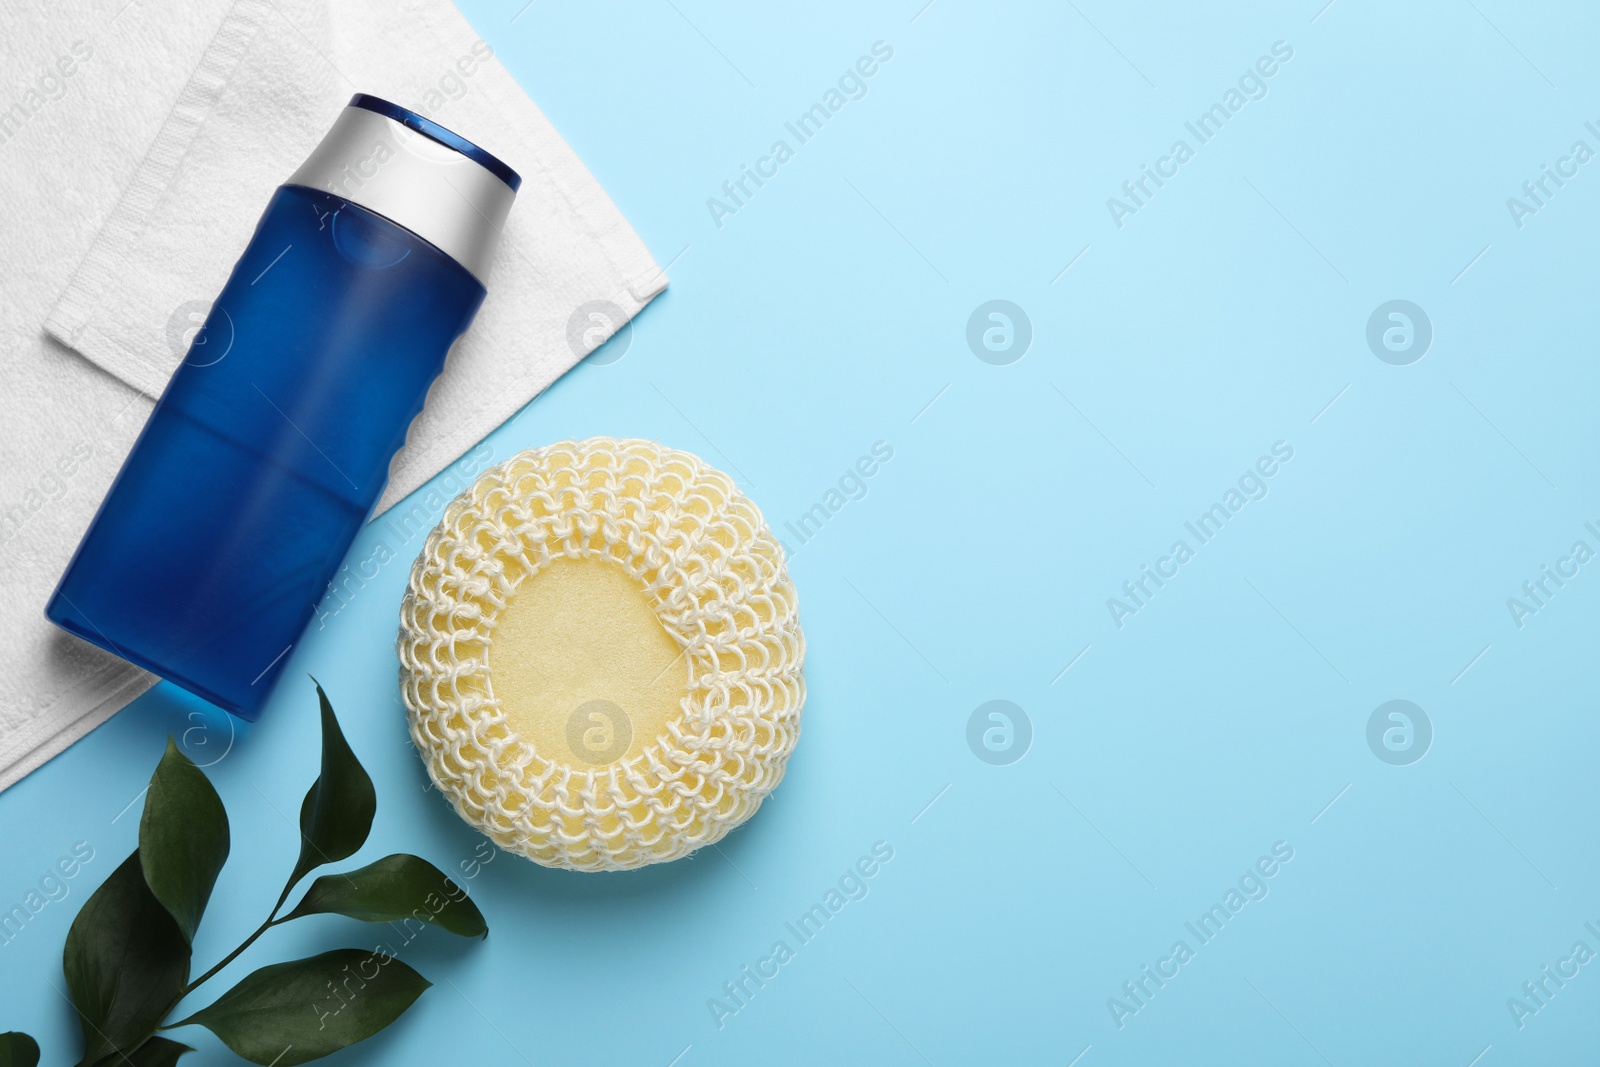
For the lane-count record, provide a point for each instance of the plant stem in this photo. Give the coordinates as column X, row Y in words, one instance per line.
column 229, row 958
column 272, row 920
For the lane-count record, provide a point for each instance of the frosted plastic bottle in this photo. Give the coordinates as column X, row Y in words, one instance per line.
column 272, row 441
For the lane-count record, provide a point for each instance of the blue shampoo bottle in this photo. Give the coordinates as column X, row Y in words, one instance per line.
column 272, row 442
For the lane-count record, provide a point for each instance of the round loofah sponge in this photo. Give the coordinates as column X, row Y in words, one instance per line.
column 600, row 651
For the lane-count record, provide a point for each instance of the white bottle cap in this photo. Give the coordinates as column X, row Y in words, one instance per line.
column 415, row 173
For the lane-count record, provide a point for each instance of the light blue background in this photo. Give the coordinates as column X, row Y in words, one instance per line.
column 1223, row 317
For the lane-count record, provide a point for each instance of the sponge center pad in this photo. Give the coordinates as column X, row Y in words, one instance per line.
column 582, row 666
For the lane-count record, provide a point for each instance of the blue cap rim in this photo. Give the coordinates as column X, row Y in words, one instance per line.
column 435, row 132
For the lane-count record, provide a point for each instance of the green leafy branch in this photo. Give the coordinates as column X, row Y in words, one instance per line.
column 127, row 957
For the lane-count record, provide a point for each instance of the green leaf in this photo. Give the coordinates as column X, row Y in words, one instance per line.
column 18, row 1050
column 125, row 960
column 395, row 887
column 337, row 812
column 156, row 1052
column 183, row 838
column 294, row 1012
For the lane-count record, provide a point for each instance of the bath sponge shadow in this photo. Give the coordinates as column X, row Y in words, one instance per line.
column 490, row 871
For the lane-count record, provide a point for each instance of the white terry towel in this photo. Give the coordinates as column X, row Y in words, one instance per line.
column 262, row 93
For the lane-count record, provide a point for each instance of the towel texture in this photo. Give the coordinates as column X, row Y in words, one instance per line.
column 138, row 178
